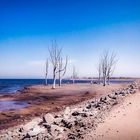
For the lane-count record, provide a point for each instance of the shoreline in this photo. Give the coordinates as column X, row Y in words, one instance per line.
column 43, row 99
column 95, row 109
column 19, row 86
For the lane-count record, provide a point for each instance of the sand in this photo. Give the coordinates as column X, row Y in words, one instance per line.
column 122, row 123
column 115, row 122
column 43, row 99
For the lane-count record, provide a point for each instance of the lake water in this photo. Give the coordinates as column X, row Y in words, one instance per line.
column 12, row 105
column 8, row 86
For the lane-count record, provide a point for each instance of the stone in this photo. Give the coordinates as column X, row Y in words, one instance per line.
column 30, row 125
column 84, row 114
column 36, row 130
column 48, row 118
column 75, row 113
column 56, row 128
column 67, row 111
column 88, row 106
column 112, row 96
column 57, row 121
column 66, row 123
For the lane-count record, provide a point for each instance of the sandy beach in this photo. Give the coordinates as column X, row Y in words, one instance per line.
column 42, row 99
column 122, row 122
column 107, row 113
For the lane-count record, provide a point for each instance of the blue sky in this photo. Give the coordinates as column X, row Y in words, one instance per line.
column 84, row 28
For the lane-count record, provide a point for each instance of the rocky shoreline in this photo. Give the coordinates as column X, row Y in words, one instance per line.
column 72, row 123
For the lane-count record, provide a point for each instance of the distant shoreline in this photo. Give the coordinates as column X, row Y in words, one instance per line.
column 9, row 86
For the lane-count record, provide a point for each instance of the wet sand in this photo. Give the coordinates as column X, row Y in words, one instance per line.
column 42, row 99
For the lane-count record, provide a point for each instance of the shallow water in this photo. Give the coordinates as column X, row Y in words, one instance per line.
column 12, row 105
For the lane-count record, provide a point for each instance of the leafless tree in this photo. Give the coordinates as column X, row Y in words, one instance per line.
column 104, row 62
column 46, row 75
column 111, row 66
column 55, row 54
column 74, row 74
column 62, row 68
column 99, row 69
column 107, row 66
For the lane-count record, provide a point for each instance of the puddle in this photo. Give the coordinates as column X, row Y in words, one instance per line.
column 12, row 105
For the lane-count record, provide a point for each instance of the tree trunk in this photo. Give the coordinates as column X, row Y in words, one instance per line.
column 104, row 81
column 46, row 80
column 60, row 80
column 73, row 81
column 54, row 78
column 108, row 80
column 99, row 80
column 54, row 81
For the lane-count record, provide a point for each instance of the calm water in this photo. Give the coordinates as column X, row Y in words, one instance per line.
column 11, row 105
column 8, row 86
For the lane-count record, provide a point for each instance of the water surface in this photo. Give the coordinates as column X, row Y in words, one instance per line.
column 8, row 86
column 10, row 105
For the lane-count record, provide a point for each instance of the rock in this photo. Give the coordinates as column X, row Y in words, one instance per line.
column 56, row 128
column 88, row 106
column 75, row 113
column 83, row 114
column 131, row 91
column 36, row 130
column 31, row 124
column 48, row 118
column 79, row 123
column 80, row 109
column 103, row 99
column 66, row 123
column 73, row 136
column 115, row 103
column 57, row 121
column 97, row 105
column 112, row 96
column 67, row 111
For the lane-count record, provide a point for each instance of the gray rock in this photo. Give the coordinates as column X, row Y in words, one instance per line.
column 67, row 111
column 48, row 118
column 88, row 106
column 112, row 96
column 32, row 124
column 37, row 130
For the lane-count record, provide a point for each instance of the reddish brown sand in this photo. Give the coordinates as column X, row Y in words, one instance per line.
column 43, row 99
column 122, row 123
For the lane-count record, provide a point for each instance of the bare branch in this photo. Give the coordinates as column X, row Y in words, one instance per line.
column 107, row 62
column 55, row 55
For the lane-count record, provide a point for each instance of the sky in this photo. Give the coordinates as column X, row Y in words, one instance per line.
column 83, row 28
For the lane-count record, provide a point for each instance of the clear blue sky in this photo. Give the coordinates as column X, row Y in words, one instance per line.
column 84, row 28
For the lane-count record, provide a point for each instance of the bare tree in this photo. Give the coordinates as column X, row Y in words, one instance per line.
column 62, row 68
column 55, row 53
column 99, row 69
column 104, row 62
column 46, row 75
column 74, row 74
column 107, row 65
column 111, row 66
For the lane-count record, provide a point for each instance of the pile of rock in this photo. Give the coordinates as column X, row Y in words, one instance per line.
column 72, row 123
